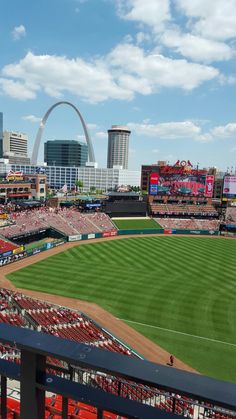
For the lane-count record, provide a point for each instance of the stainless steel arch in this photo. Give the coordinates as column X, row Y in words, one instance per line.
column 38, row 138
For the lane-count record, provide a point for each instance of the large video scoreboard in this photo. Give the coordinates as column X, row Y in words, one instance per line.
column 181, row 179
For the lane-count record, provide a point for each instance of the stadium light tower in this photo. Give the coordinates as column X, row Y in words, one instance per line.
column 39, row 135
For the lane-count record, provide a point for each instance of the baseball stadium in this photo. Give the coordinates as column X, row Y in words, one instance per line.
column 145, row 283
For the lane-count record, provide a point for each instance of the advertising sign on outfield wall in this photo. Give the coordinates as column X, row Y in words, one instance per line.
column 109, row 233
column 91, row 236
column 18, row 250
column 75, row 238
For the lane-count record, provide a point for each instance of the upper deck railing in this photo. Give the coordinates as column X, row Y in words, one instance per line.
column 83, row 364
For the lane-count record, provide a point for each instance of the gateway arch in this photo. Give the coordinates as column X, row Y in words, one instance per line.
column 39, row 135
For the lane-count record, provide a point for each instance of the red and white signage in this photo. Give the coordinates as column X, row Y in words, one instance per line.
column 209, row 186
column 109, row 233
column 153, row 180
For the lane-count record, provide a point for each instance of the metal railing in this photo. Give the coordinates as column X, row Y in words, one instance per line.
column 108, row 381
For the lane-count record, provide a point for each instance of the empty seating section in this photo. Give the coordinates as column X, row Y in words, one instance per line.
column 230, row 217
column 24, row 311
column 53, row 409
column 188, row 224
column 20, row 310
column 182, row 209
column 68, row 221
column 5, row 246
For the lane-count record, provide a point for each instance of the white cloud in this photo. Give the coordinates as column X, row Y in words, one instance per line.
column 125, row 71
column 183, row 130
column 204, row 26
column 31, row 118
column 18, row 32
column 224, row 131
column 57, row 75
column 17, row 89
column 196, row 47
column 156, row 151
column 92, row 126
column 152, row 12
column 101, row 135
column 142, row 37
column 167, row 130
column 152, row 71
column 214, row 19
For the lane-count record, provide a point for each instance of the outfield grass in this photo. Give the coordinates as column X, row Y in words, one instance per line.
column 182, row 284
column 136, row 224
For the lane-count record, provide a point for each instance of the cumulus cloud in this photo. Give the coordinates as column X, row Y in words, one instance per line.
column 183, row 130
column 167, row 130
column 31, row 118
column 151, row 71
column 154, row 13
column 56, row 75
column 197, row 48
column 124, row 72
column 213, row 19
column 18, row 89
column 205, row 28
column 224, row 131
column 18, row 32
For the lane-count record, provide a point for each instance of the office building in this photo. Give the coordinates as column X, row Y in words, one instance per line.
column 15, row 147
column 58, row 176
column 1, row 134
column 118, row 147
column 65, row 153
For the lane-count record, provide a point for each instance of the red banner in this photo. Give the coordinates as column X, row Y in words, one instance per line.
column 153, row 180
column 109, row 233
column 209, row 186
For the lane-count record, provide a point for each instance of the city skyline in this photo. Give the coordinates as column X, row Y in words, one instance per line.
column 163, row 68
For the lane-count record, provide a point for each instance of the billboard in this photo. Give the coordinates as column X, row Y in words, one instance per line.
column 75, row 238
column 209, row 186
column 182, row 179
column 229, row 188
column 17, row 175
column 109, row 233
column 153, row 183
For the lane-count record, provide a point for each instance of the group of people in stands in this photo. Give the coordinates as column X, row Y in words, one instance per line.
column 188, row 224
column 68, row 220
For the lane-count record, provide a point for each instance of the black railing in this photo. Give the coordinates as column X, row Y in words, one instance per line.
column 105, row 380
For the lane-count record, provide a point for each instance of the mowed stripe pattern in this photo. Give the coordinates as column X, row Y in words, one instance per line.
column 178, row 283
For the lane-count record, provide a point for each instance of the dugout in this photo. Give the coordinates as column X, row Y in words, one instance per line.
column 125, row 204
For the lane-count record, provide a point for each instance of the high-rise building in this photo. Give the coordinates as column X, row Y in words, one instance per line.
column 1, row 134
column 118, row 146
column 65, row 153
column 15, row 147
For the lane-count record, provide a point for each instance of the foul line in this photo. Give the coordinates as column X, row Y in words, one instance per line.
column 180, row 333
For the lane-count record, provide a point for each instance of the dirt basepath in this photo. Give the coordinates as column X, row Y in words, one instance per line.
column 120, row 329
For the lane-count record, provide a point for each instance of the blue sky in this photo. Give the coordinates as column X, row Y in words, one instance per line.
column 165, row 68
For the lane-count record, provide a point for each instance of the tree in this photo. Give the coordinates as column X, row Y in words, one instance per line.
column 79, row 184
column 92, row 189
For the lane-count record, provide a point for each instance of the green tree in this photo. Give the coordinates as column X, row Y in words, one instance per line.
column 92, row 189
column 79, row 184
